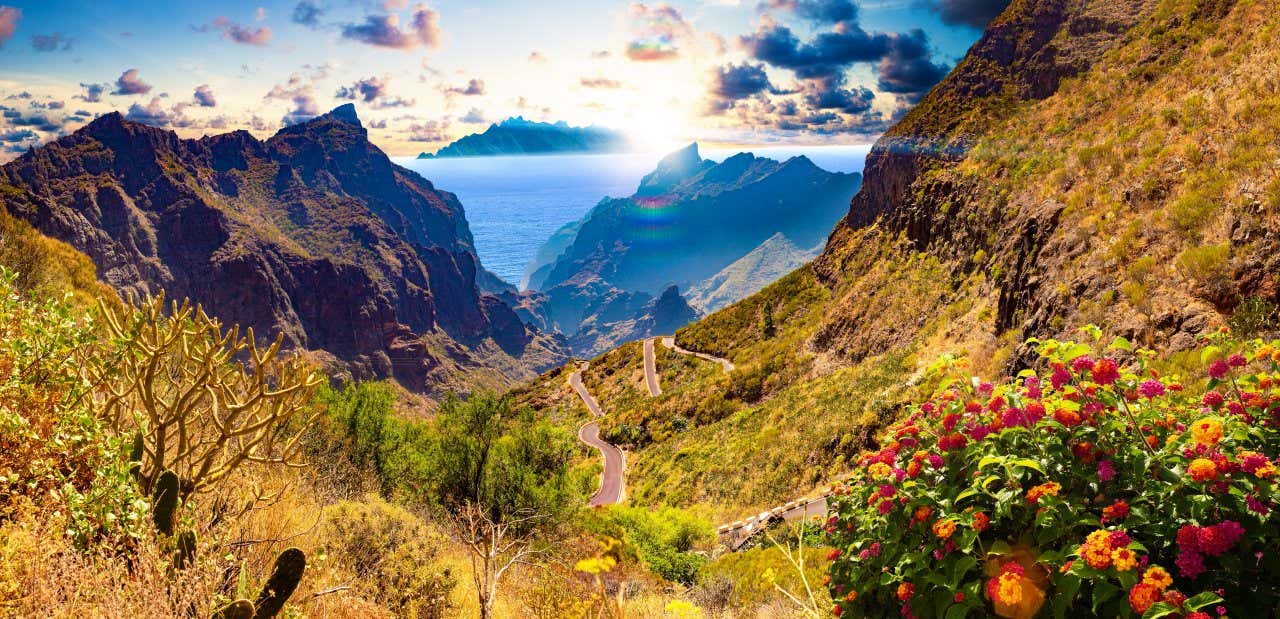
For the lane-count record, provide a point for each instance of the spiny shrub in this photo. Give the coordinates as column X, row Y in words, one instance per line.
column 1096, row 486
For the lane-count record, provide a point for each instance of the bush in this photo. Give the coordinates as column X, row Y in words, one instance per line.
column 664, row 540
column 1096, row 485
column 393, row 554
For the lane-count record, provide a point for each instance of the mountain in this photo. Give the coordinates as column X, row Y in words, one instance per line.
column 1089, row 162
column 766, row 264
column 517, row 136
column 313, row 235
column 687, row 221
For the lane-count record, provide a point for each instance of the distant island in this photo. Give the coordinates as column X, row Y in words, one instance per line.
column 517, row 136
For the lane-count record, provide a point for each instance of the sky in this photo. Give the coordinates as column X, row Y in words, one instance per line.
column 723, row 72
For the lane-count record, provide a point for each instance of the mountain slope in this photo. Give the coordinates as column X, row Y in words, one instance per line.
column 766, row 264
column 1089, row 162
column 688, row 219
column 517, row 136
column 313, row 234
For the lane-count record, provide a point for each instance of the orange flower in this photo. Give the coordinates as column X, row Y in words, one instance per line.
column 906, row 591
column 1142, row 596
column 981, row 521
column 944, row 528
column 1123, row 559
column 1203, row 470
column 1043, row 490
column 879, row 469
column 923, row 512
column 1207, row 431
column 1157, row 577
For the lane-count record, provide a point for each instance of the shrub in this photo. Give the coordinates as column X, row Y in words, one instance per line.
column 664, row 540
column 1091, row 485
column 393, row 554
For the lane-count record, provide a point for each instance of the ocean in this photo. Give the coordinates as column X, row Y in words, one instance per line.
column 514, row 204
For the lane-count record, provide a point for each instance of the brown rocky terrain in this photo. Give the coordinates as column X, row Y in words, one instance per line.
column 313, row 234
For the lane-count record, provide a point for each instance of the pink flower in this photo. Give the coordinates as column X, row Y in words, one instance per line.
column 885, row 507
column 887, row 491
column 1082, row 363
column 1190, row 564
column 1256, row 506
column 1151, row 388
column 1105, row 372
column 1120, row 539
column 1212, row 399
column 935, row 461
column 1106, row 470
column 1060, row 376
column 1237, row 361
column 1219, row 369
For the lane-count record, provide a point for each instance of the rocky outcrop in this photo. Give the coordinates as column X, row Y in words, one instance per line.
column 313, row 234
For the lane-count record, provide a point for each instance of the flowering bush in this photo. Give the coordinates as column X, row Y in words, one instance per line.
column 1096, row 486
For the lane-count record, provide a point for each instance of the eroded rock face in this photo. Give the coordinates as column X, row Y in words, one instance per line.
column 314, row 235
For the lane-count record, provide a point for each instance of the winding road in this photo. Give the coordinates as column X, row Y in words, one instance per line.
column 670, row 342
column 611, row 489
column 650, row 370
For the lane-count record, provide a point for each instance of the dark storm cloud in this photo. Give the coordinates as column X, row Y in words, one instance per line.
column 908, row 69
column 738, row 81
column 828, row 54
column 849, row 100
column 130, row 84
column 975, row 13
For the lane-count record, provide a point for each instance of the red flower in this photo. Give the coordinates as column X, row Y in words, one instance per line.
column 906, row 591
column 1105, row 372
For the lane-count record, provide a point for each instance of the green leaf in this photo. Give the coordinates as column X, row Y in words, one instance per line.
column 1121, row 344
column 958, row 611
column 1209, row 354
column 1159, row 609
column 1028, row 463
column 1196, row 602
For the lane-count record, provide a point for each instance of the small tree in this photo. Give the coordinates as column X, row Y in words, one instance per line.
column 768, row 329
column 503, row 484
column 201, row 399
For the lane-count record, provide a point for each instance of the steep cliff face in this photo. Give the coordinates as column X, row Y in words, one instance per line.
column 313, row 234
column 1089, row 161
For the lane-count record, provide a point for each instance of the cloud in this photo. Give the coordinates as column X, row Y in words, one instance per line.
column 9, row 17
column 600, row 82
column 374, row 91
column 239, row 33
column 820, row 11
column 260, row 13
column 429, row 131
column 395, row 5
column 658, row 31
column 302, row 94
column 307, row 14
column 827, row 54
column 739, row 81
column 130, row 84
column 152, row 113
column 908, row 69
column 204, row 96
column 537, row 57
column 851, row 101
column 39, row 121
column 92, row 92
column 601, row 54
column 19, row 135
column 474, row 88
column 975, row 13
column 423, row 30
column 473, row 117
column 51, row 42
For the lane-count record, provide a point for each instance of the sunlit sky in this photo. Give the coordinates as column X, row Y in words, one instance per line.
column 423, row 74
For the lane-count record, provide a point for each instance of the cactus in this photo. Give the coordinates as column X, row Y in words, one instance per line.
column 239, row 609
column 164, row 502
column 284, row 579
column 185, row 554
column 135, row 456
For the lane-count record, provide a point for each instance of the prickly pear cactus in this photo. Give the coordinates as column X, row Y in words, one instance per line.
column 283, row 581
column 164, row 502
column 135, row 456
column 185, row 554
column 239, row 609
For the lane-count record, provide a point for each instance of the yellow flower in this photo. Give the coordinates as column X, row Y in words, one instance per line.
column 683, row 610
column 1123, row 559
column 1203, row 470
column 944, row 528
column 596, row 565
column 1207, row 431
column 879, row 469
column 1158, row 577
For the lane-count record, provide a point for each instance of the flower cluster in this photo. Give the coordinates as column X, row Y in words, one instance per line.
column 1070, row 487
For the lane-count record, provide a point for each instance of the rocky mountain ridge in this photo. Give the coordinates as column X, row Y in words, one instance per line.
column 313, row 234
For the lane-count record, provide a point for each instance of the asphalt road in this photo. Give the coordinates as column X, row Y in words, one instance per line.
column 670, row 342
column 611, row 477
column 651, row 369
